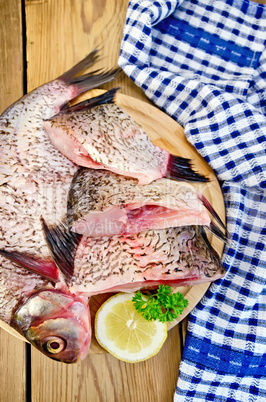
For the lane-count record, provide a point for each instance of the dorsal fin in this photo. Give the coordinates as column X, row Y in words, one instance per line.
column 45, row 268
column 62, row 244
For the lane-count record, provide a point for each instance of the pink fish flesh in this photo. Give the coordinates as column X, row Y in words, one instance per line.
column 103, row 203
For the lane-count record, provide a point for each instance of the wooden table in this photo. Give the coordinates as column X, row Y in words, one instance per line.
column 37, row 43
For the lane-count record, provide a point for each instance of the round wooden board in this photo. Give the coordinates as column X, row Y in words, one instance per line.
column 168, row 134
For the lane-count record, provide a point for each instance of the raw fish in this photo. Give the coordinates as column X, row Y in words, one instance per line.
column 42, row 293
column 34, row 183
column 99, row 134
column 103, row 203
column 176, row 256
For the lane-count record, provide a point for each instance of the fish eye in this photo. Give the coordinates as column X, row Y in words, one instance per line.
column 54, row 344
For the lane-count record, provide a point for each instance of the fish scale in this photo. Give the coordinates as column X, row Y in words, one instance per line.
column 103, row 203
column 106, row 145
column 15, row 282
column 25, row 135
column 34, row 182
column 100, row 134
column 128, row 263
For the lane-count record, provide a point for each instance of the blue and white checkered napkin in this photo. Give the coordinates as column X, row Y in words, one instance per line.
column 204, row 63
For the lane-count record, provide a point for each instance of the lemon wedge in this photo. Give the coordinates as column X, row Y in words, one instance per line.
column 124, row 333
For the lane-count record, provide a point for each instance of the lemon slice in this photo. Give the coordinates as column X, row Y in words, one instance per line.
column 124, row 333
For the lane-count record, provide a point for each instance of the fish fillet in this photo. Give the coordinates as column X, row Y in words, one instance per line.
column 103, row 203
column 99, row 134
column 177, row 256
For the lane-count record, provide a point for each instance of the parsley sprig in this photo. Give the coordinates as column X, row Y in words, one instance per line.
column 163, row 305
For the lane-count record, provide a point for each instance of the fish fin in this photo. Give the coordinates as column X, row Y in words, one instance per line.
column 180, row 169
column 89, row 60
column 45, row 268
column 212, row 250
column 212, row 211
column 107, row 97
column 202, row 230
column 62, row 244
column 214, row 229
column 91, row 80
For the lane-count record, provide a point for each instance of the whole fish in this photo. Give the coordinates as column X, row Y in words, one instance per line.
column 99, row 134
column 177, row 256
column 103, row 203
column 34, row 183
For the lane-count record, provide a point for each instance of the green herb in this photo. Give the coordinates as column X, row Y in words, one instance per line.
column 163, row 305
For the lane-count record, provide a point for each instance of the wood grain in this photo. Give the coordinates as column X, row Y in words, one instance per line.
column 12, row 368
column 101, row 378
column 11, row 53
column 61, row 33
column 12, row 350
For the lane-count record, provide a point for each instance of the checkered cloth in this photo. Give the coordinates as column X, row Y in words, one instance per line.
column 204, row 63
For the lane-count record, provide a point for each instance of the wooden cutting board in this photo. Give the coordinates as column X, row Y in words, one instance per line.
column 168, row 134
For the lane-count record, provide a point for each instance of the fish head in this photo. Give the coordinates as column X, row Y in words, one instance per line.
column 56, row 323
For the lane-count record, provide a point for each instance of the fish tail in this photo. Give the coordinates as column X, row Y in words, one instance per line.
column 212, row 211
column 180, row 169
column 89, row 60
column 212, row 250
column 214, row 229
column 106, row 97
column 91, row 80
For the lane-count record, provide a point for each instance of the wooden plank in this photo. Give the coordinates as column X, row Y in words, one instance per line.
column 59, row 34
column 101, row 378
column 12, row 350
column 12, row 368
column 11, row 53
